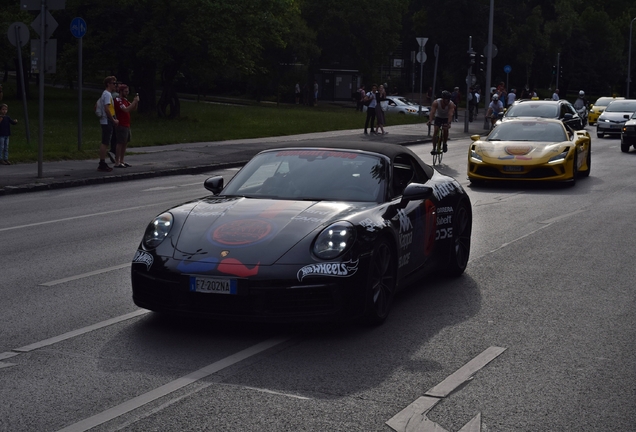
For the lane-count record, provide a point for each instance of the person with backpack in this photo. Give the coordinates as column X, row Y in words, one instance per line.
column 105, row 110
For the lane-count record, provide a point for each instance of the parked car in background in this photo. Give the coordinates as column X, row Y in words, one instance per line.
column 598, row 107
column 614, row 117
column 559, row 109
column 628, row 134
column 402, row 105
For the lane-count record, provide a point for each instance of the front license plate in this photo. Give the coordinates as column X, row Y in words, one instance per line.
column 212, row 285
column 513, row 168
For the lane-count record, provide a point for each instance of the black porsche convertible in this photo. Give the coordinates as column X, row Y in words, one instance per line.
column 306, row 234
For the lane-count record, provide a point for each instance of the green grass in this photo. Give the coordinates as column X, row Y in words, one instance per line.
column 199, row 122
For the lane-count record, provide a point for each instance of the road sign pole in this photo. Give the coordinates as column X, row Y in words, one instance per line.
column 421, row 72
column 79, row 95
column 41, row 69
column 20, row 72
column 468, row 84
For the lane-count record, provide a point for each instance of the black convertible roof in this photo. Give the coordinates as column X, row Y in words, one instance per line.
column 389, row 150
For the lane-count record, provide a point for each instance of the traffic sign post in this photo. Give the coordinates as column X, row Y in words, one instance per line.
column 44, row 25
column 18, row 35
column 421, row 57
column 507, row 70
column 78, row 29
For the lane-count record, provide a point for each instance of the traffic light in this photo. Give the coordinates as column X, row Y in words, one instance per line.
column 481, row 63
column 553, row 69
column 471, row 58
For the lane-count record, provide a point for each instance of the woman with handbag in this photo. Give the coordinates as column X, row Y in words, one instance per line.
column 380, row 108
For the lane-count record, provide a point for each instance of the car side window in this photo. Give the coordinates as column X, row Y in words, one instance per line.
column 405, row 171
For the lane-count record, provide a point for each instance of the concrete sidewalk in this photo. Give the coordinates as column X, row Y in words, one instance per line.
column 191, row 158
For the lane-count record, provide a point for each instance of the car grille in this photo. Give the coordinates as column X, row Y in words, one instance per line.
column 536, row 173
column 170, row 294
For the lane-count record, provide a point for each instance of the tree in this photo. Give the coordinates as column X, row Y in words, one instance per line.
column 146, row 41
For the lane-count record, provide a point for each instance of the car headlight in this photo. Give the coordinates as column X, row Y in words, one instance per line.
column 560, row 157
column 334, row 240
column 157, row 230
column 474, row 155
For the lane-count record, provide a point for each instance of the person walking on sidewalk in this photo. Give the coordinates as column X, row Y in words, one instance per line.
column 107, row 121
column 370, row 98
column 379, row 110
column 122, row 131
column 5, row 133
column 442, row 111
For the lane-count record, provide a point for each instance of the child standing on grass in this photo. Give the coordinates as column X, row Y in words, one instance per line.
column 5, row 132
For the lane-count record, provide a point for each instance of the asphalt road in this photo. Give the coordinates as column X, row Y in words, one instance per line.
column 549, row 283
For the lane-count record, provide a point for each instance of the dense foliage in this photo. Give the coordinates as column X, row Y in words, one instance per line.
column 262, row 47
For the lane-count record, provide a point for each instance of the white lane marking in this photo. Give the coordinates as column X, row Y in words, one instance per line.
column 83, row 275
column 81, row 331
column 84, row 216
column 276, row 393
column 558, row 218
column 158, row 188
column 413, row 417
column 6, row 355
column 6, row 365
column 172, row 386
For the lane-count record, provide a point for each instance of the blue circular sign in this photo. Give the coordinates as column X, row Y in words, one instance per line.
column 78, row 27
column 507, row 68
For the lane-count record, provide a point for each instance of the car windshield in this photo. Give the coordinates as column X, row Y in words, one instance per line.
column 308, row 174
column 604, row 101
column 528, row 131
column 622, row 106
column 407, row 101
column 533, row 110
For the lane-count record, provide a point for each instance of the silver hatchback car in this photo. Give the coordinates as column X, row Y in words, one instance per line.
column 611, row 121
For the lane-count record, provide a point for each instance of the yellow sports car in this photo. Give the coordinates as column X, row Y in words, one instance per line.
column 598, row 108
column 534, row 149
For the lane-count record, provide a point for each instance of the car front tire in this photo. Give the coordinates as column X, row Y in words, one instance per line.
column 624, row 146
column 460, row 248
column 381, row 284
column 599, row 134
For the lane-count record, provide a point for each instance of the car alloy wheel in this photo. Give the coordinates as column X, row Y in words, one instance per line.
column 460, row 248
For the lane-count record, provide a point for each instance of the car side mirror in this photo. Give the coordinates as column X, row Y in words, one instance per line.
column 214, row 184
column 475, row 137
column 568, row 116
column 416, row 191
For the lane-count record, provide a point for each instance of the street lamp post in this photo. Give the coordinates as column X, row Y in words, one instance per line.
column 629, row 57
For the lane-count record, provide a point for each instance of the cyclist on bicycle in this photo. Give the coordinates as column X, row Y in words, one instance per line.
column 442, row 110
column 495, row 108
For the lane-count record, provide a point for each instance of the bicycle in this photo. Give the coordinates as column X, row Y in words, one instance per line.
column 438, row 149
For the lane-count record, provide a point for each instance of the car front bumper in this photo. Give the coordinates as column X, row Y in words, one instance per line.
column 557, row 172
column 275, row 296
column 609, row 128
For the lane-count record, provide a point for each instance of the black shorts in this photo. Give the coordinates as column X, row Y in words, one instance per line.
column 439, row 121
column 107, row 133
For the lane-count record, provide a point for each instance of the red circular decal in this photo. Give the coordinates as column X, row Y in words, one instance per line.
column 242, row 232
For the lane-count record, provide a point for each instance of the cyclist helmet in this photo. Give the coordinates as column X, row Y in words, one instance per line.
column 446, row 95
column 495, row 97
column 581, row 93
